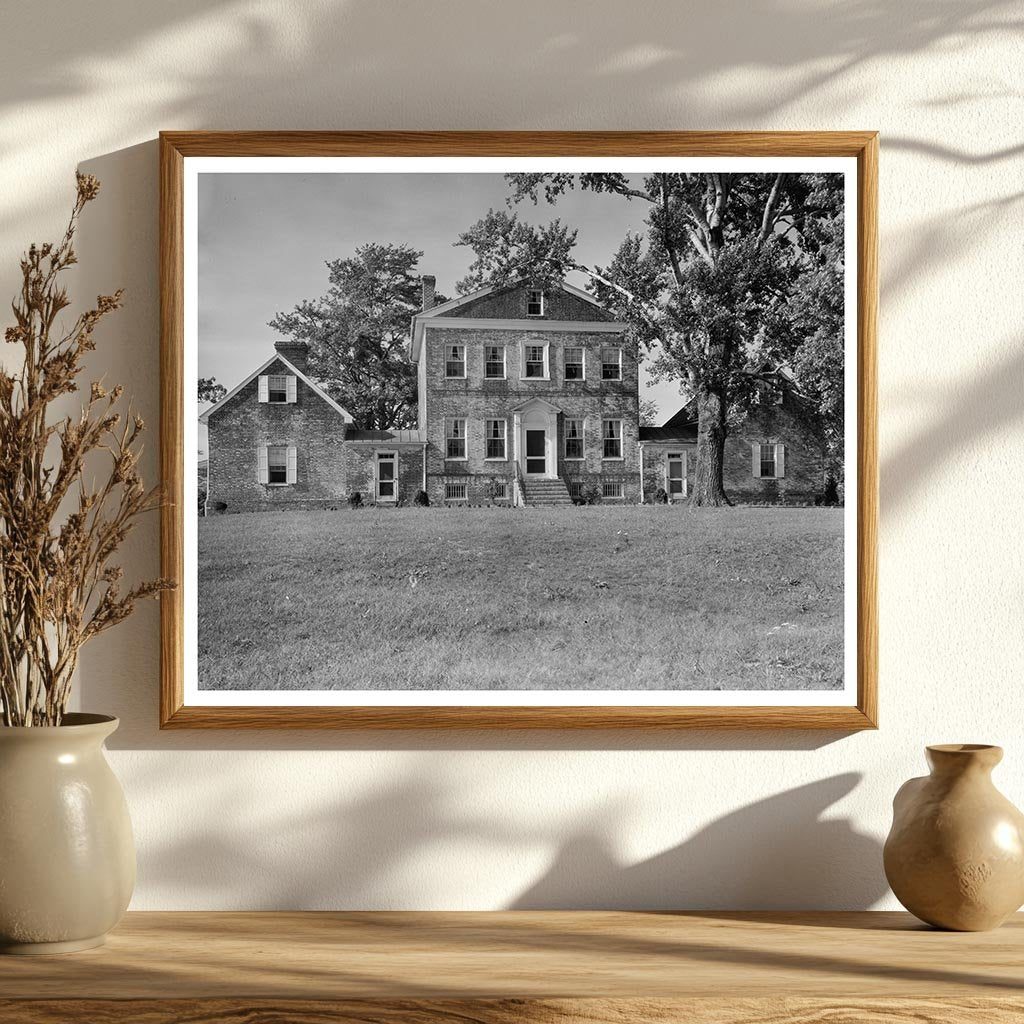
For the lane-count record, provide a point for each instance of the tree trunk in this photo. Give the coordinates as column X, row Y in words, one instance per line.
column 707, row 475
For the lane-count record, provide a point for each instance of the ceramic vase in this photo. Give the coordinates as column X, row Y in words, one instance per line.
column 955, row 854
column 67, row 859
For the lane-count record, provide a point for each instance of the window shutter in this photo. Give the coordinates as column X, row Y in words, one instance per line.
column 290, row 384
column 755, row 459
column 292, row 460
column 686, row 475
column 264, row 390
column 780, row 460
column 264, row 465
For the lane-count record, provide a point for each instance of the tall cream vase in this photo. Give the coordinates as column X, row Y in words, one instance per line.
column 67, row 858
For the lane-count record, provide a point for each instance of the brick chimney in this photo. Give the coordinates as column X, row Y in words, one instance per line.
column 296, row 352
column 428, row 281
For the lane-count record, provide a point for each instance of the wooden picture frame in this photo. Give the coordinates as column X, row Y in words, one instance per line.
column 177, row 147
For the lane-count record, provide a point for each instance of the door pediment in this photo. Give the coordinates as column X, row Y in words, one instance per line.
column 537, row 405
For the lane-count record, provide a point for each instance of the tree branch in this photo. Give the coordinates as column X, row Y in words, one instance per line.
column 767, row 219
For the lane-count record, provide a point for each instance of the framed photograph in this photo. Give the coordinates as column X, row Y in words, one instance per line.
column 519, row 429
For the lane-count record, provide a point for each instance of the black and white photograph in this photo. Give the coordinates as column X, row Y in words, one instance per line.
column 547, row 432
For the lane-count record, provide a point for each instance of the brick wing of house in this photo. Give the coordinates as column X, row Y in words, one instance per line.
column 527, row 396
column 774, row 452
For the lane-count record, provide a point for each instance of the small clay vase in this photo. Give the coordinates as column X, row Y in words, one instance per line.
column 955, row 854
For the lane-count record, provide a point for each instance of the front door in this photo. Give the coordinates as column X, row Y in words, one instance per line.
column 677, row 477
column 386, row 472
column 536, row 457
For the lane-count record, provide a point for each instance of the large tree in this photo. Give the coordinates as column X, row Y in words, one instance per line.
column 818, row 361
column 711, row 284
column 358, row 334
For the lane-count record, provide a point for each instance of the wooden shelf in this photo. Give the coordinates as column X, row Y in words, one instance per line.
column 508, row 968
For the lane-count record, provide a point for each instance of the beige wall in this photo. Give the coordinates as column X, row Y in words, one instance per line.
column 493, row 820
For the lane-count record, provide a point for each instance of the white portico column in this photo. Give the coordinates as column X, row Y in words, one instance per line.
column 552, row 439
column 517, row 430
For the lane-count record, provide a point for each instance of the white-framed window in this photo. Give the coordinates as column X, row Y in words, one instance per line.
column 455, row 360
column 494, row 438
column 574, row 439
column 276, row 465
column 611, row 488
column 535, row 360
column 494, row 362
column 455, row 437
column 535, row 302
column 387, row 476
column 675, row 475
column 575, row 488
column 611, row 432
column 499, row 490
column 611, row 363
column 573, row 362
column 455, row 491
column 768, row 460
column 277, row 389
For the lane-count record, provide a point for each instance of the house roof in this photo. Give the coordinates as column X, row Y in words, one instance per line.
column 277, row 357
column 445, row 308
column 388, row 436
column 686, row 415
column 680, row 428
column 686, row 434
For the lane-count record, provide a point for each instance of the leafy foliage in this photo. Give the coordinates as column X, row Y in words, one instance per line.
column 506, row 249
column 358, row 334
column 210, row 390
column 648, row 412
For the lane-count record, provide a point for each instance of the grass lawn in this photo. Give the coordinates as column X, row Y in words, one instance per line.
column 638, row 597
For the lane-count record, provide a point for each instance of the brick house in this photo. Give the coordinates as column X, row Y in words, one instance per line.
column 526, row 396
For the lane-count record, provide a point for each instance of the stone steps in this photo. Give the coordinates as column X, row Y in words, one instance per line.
column 546, row 492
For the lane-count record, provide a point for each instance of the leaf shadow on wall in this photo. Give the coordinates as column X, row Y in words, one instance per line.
column 342, row 50
column 374, row 65
column 388, row 848
column 776, row 853
column 976, row 410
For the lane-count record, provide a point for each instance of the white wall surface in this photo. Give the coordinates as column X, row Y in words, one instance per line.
column 462, row 821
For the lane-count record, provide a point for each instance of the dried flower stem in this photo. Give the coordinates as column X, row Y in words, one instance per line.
column 58, row 586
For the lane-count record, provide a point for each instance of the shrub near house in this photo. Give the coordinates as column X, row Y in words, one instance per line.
column 526, row 396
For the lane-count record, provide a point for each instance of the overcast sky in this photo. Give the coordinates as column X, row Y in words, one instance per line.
column 264, row 239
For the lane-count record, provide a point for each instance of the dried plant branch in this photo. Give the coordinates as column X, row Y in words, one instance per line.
column 58, row 585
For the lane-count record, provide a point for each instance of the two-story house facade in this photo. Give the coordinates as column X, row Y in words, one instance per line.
column 527, row 396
